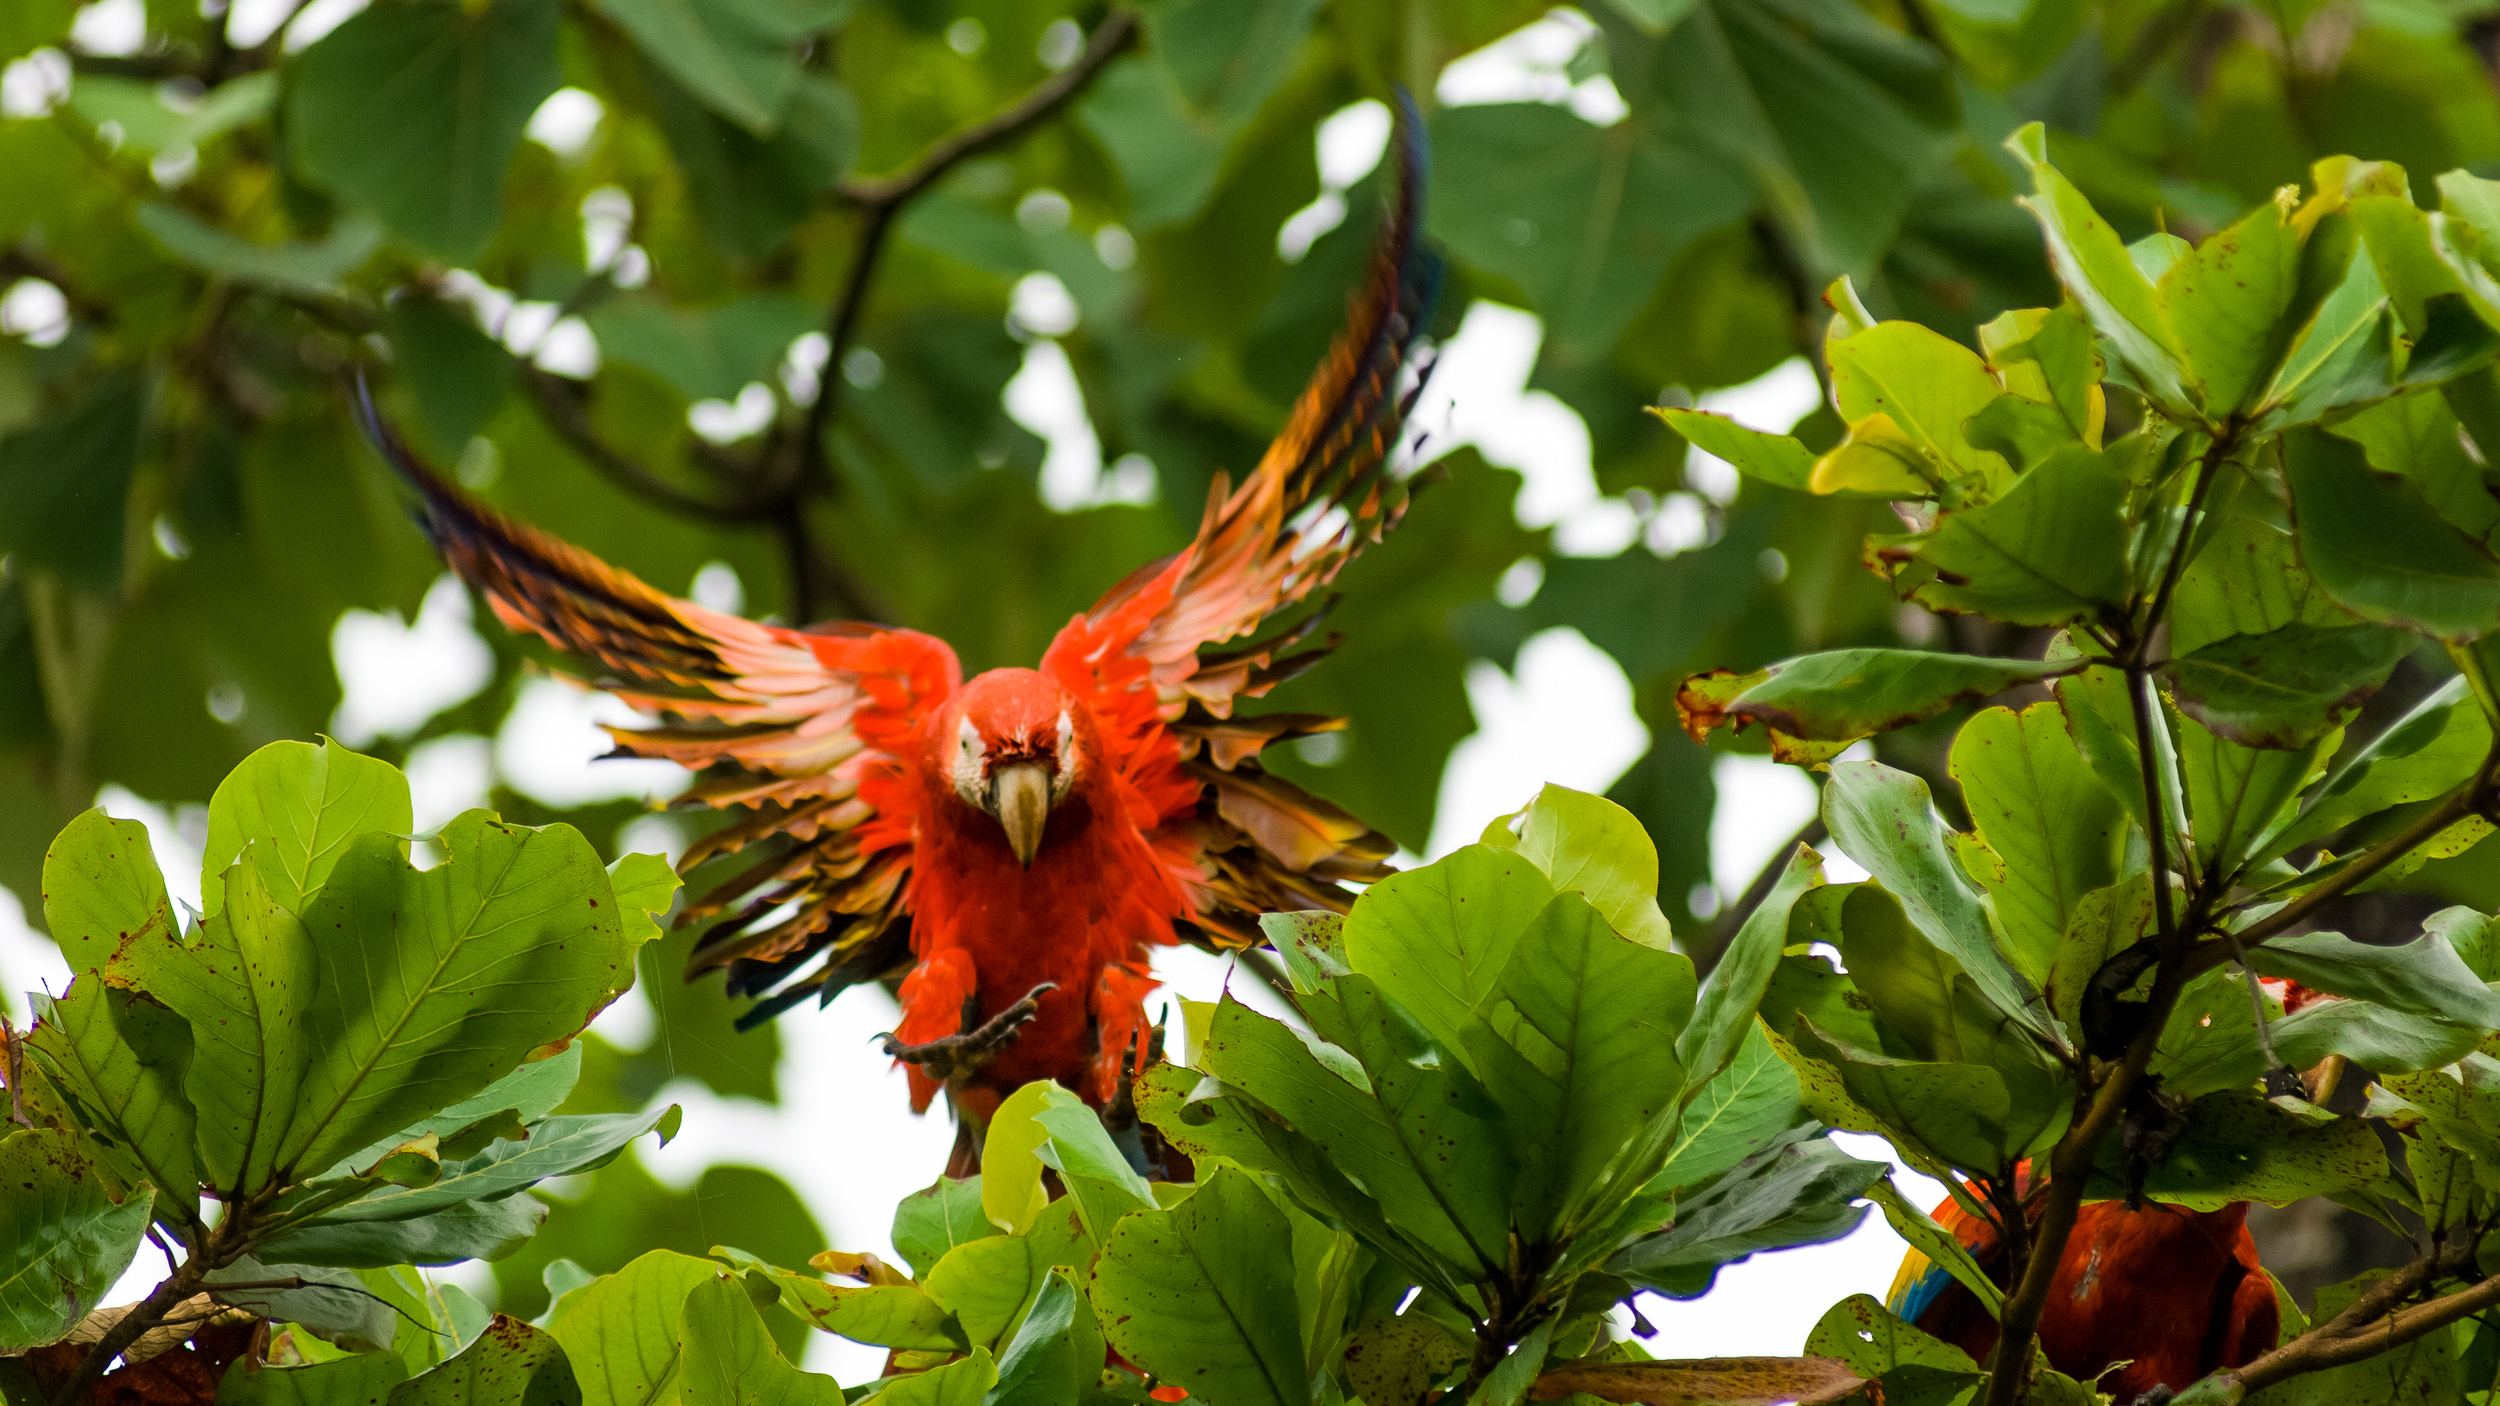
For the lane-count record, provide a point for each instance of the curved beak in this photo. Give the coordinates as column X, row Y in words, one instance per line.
column 1020, row 798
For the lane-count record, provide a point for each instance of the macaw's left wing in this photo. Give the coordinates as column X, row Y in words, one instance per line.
column 805, row 732
column 1322, row 492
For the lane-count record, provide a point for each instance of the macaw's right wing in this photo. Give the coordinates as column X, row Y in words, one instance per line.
column 808, row 732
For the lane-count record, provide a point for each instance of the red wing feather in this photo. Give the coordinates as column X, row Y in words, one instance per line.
column 801, row 727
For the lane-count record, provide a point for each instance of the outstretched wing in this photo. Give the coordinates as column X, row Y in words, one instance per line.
column 803, row 730
column 1322, row 493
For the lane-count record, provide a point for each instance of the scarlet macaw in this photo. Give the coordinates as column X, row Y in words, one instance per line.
column 1015, row 845
column 2173, row 1293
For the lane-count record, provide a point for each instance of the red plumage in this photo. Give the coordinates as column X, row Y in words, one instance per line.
column 2173, row 1293
column 984, row 839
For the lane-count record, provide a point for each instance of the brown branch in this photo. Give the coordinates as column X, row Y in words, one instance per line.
column 2370, row 1325
column 143, row 1316
column 881, row 201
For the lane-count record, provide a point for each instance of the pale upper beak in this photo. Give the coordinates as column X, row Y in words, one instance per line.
column 1020, row 798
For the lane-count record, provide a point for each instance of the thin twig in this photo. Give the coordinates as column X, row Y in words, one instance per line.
column 2371, row 1324
column 565, row 414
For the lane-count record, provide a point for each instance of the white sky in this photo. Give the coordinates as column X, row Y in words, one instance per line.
column 1566, row 716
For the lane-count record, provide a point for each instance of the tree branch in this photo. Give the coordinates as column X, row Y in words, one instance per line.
column 2370, row 1325
column 563, row 412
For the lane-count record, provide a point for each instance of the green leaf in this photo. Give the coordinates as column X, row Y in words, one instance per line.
column 2237, row 795
column 2425, row 976
column 119, row 1056
column 2209, row 1043
column 101, row 888
column 1956, row 1114
column 645, row 887
column 2240, row 1147
column 1055, row 1349
column 243, row 987
column 731, row 1361
column 64, row 1240
column 1845, row 694
column 357, row 1376
column 2379, row 550
column 961, row 1383
column 2050, row 551
column 1936, row 1243
column 1723, row 1013
column 2370, row 1035
column 1590, row 846
column 1863, row 1333
column 508, row 1364
column 751, row 192
column 2246, row 580
column 1928, row 385
column 413, row 111
column 2231, row 303
column 1011, row 1177
column 1733, row 1116
column 475, row 1230
column 311, row 269
column 1382, row 1143
column 1401, row 1358
column 2288, row 687
column 305, row 804
column 2033, row 799
column 738, row 55
column 2346, row 356
column 338, row 1305
column 703, row 353
column 1096, row 1172
column 1582, row 218
column 2105, row 922
column 937, row 1218
column 1883, row 819
column 1776, row 459
column 1797, row 1194
column 2416, row 436
column 624, row 1333
column 887, row 1315
column 1199, row 1296
column 1576, row 1044
column 2045, row 355
column 65, row 484
column 1437, row 938
column 556, row 1147
column 2427, row 753
column 436, row 983
column 2094, row 265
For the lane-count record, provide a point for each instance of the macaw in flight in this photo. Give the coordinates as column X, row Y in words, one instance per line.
column 1014, row 845
column 2172, row 1293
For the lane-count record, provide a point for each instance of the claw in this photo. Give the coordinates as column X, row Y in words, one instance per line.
column 954, row 1057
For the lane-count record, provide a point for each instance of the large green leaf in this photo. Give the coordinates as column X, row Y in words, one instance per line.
column 414, row 110
column 2370, row 1035
column 307, row 269
column 64, row 1240
column 704, row 353
column 1582, row 218
column 1883, row 819
column 1437, row 938
column 1733, row 1116
column 731, row 1361
column 2430, row 751
column 65, row 484
column 2241, row 1147
column 509, row 1364
column 1054, row 1349
column 472, row 1230
column 2055, row 833
column 120, row 1057
column 1576, row 1042
column 1797, row 1194
column 101, row 888
column 2092, row 261
column 2288, row 687
column 1590, row 846
column 243, row 986
column 623, row 1334
column 1723, row 1012
column 1915, row 1369
column 2379, row 550
column 2230, row 302
column 1846, row 694
column 937, row 1218
column 555, row 1147
column 436, row 983
column 2416, row 436
column 2246, row 580
column 739, row 55
column 887, row 1315
column 1927, row 386
column 2425, row 976
column 2051, row 551
column 304, row 804
column 1955, row 1114
column 2238, row 795
column 1200, row 1296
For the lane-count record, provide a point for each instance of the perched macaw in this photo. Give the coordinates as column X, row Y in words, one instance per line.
column 1014, row 845
column 2171, row 1292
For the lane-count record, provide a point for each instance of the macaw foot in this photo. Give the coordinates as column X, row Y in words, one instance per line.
column 960, row 1056
column 2158, row 1396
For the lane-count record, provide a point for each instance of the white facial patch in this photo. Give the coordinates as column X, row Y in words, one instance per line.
column 1066, row 774
column 971, row 770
